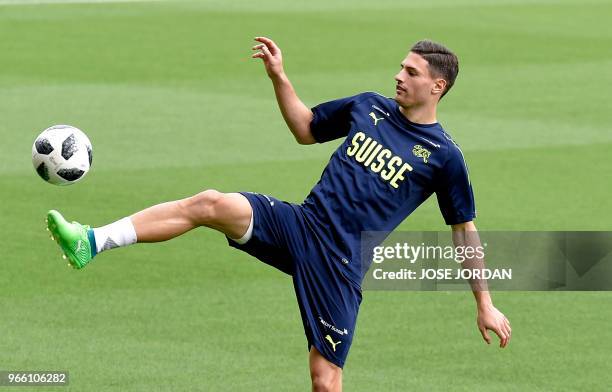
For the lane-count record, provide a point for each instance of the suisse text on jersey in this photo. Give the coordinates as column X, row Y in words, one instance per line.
column 365, row 150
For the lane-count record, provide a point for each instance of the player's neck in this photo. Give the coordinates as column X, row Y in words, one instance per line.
column 419, row 114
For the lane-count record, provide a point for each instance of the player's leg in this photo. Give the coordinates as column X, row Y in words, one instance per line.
column 325, row 375
column 229, row 213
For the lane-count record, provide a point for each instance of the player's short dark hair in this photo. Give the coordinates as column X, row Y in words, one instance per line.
column 442, row 62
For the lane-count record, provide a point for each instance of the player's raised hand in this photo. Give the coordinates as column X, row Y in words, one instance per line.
column 492, row 319
column 271, row 55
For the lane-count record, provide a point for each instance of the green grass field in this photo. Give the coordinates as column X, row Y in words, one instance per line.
column 173, row 104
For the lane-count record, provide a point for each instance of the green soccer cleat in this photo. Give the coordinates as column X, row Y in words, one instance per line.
column 74, row 239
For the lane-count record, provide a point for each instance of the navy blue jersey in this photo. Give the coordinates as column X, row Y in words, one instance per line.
column 383, row 170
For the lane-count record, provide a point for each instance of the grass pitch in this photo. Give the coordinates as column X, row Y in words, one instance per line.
column 173, row 104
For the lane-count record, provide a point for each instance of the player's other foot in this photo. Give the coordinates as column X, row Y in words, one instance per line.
column 74, row 239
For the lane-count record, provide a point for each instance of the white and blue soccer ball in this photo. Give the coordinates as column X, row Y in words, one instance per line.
column 62, row 155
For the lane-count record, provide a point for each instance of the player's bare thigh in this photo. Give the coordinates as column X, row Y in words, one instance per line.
column 229, row 213
column 325, row 375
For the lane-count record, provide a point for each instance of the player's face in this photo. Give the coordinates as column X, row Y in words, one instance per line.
column 414, row 84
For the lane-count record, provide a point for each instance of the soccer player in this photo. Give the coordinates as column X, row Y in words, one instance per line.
column 393, row 156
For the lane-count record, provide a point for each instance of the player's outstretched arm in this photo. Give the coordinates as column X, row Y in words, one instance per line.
column 297, row 115
column 489, row 317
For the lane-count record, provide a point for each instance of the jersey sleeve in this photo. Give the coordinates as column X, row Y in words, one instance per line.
column 332, row 119
column 454, row 190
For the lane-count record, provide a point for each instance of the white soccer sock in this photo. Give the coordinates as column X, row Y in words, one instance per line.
column 120, row 233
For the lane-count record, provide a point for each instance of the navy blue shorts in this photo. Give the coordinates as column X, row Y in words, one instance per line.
column 284, row 238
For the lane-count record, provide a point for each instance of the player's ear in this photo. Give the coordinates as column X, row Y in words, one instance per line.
column 439, row 86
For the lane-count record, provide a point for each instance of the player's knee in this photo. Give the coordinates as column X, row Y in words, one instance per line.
column 202, row 207
column 324, row 381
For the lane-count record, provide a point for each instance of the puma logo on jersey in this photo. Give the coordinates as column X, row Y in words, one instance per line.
column 331, row 341
column 376, row 120
column 420, row 152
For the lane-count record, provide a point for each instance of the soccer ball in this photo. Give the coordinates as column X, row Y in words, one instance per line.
column 62, row 155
